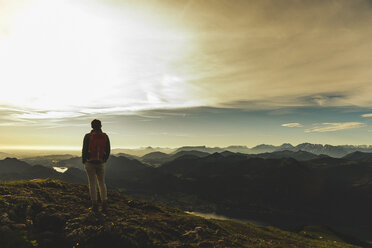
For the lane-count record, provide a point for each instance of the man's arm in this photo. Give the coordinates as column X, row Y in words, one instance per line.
column 108, row 149
column 84, row 154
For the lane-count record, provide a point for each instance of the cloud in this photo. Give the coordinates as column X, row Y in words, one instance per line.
column 334, row 126
column 269, row 53
column 292, row 124
column 47, row 115
column 17, row 117
column 276, row 58
column 366, row 115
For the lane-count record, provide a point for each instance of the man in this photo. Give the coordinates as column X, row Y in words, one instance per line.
column 96, row 151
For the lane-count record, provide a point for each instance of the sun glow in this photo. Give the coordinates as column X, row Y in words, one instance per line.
column 61, row 56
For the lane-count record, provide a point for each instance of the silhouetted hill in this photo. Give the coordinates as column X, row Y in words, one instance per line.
column 47, row 160
column 298, row 155
column 285, row 146
column 128, row 156
column 200, row 149
column 333, row 151
column 228, row 153
column 74, row 175
column 263, row 148
column 158, row 158
column 74, row 162
column 11, row 165
column 237, row 149
column 55, row 161
column 123, row 164
column 5, row 155
column 49, row 213
column 136, row 178
column 317, row 149
column 139, row 152
column 14, row 169
column 359, row 156
column 198, row 154
column 155, row 158
column 118, row 169
column 282, row 192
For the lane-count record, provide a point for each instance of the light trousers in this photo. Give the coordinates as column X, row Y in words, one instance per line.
column 96, row 172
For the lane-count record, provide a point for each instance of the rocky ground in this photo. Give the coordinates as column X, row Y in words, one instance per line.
column 52, row 213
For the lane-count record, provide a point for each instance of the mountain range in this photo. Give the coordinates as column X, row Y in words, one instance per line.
column 286, row 189
column 317, row 149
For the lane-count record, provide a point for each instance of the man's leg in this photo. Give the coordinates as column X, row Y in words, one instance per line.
column 92, row 182
column 100, row 169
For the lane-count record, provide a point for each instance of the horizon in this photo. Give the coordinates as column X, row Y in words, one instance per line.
column 178, row 73
column 47, row 149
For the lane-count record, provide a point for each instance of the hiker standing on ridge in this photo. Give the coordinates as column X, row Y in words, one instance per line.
column 96, row 151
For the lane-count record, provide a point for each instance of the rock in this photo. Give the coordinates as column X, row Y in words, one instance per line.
column 19, row 226
column 49, row 222
column 5, row 228
column 4, row 219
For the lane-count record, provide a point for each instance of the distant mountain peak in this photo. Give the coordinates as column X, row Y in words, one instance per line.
column 287, row 145
column 263, row 145
column 11, row 159
column 196, row 147
column 237, row 146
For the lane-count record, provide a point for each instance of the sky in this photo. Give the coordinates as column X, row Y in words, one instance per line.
column 187, row 72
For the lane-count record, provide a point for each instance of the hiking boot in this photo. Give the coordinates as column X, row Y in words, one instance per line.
column 94, row 207
column 104, row 206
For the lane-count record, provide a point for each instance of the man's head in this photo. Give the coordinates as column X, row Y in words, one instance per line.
column 96, row 124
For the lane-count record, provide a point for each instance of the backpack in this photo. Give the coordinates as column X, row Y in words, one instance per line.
column 97, row 147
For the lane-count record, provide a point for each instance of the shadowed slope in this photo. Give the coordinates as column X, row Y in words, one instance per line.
column 51, row 213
